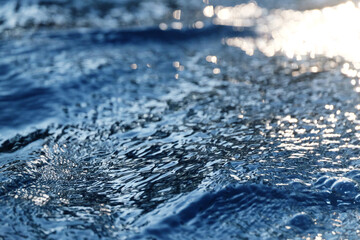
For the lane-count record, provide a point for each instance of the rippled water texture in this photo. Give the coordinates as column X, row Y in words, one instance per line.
column 174, row 119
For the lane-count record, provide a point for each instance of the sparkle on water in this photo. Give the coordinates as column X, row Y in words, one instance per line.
column 159, row 120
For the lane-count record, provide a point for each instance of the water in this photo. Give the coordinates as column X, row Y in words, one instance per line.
column 173, row 120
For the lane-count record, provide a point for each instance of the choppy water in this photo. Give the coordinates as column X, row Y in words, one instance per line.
column 179, row 120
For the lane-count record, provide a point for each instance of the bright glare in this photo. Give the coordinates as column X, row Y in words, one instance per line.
column 241, row 15
column 332, row 31
column 177, row 14
column 208, row 11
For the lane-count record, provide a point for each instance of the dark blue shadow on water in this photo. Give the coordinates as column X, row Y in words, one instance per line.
column 155, row 34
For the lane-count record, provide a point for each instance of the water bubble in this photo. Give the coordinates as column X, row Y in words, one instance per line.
column 302, row 220
column 345, row 188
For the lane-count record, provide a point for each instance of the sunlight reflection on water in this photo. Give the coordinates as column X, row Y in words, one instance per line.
column 329, row 32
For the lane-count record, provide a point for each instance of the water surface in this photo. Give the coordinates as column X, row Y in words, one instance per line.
column 166, row 120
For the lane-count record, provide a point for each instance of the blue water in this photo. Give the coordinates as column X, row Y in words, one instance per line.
column 113, row 128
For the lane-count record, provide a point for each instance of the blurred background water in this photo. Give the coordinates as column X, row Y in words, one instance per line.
column 172, row 119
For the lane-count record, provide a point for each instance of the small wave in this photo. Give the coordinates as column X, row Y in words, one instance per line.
column 17, row 142
column 245, row 211
column 239, row 211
